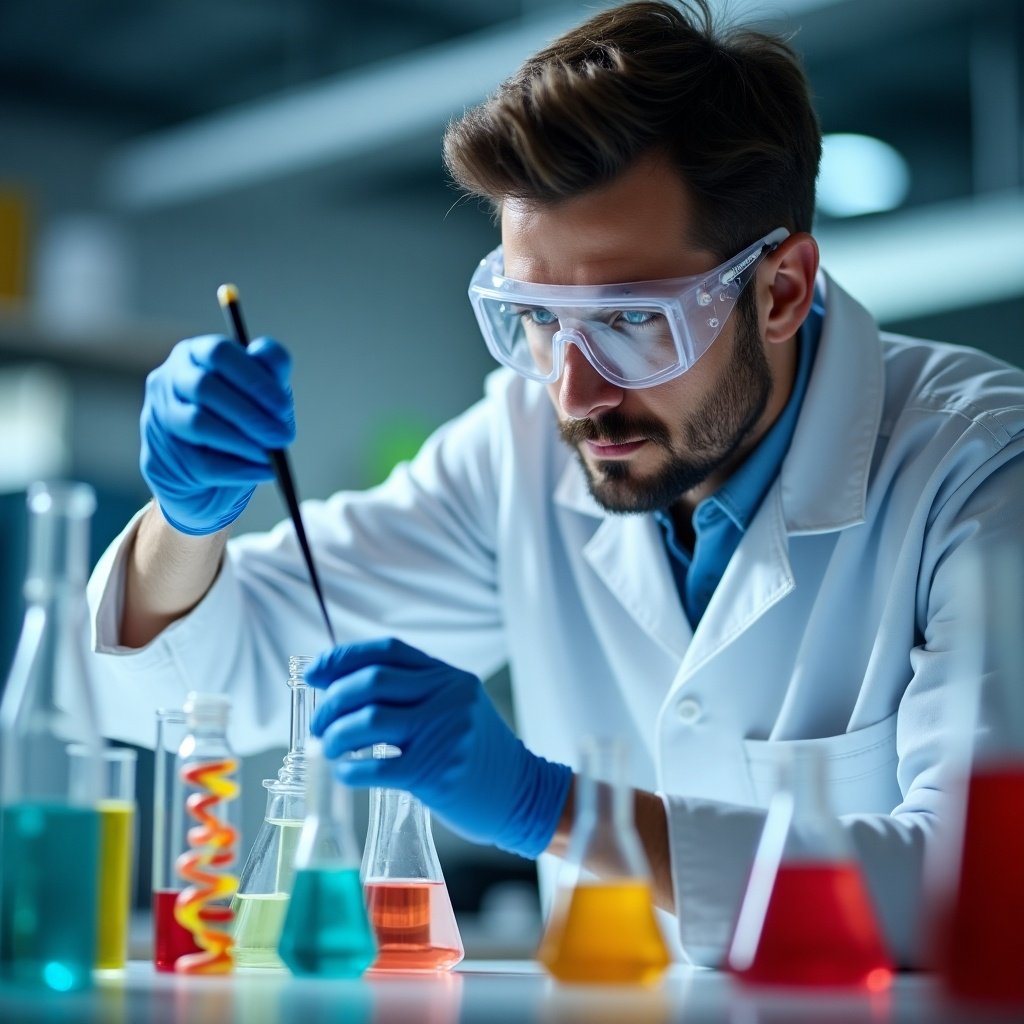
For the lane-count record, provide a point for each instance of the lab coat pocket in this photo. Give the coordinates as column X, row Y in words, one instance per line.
column 860, row 767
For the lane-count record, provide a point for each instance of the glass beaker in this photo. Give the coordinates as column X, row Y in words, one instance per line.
column 603, row 929
column 116, row 807
column 170, row 939
column 326, row 930
column 266, row 881
column 206, row 807
column 406, row 896
column 48, row 910
column 806, row 919
column 979, row 887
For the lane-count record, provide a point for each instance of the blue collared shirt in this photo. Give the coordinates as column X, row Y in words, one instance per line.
column 721, row 519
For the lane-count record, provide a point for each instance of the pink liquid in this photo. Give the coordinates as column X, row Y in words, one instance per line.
column 819, row 931
column 170, row 940
column 415, row 926
column 981, row 952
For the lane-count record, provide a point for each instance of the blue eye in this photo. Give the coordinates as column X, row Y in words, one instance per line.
column 541, row 317
column 636, row 317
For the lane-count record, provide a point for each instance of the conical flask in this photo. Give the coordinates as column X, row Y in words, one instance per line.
column 806, row 919
column 406, row 895
column 977, row 883
column 265, row 883
column 326, row 931
column 49, row 814
column 603, row 929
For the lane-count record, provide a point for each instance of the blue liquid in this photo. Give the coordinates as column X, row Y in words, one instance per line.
column 326, row 930
column 48, row 873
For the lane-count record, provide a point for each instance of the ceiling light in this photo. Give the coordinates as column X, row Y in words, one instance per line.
column 860, row 174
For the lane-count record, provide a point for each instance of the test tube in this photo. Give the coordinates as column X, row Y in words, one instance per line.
column 117, row 850
column 170, row 939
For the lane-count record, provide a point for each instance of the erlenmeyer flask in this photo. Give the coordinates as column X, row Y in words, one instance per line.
column 49, row 823
column 406, row 895
column 265, row 884
column 806, row 919
column 604, row 929
column 978, row 889
column 326, row 931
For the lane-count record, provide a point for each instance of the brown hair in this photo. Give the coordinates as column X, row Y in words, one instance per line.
column 730, row 108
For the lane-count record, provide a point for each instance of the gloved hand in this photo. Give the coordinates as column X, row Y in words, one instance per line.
column 458, row 756
column 211, row 411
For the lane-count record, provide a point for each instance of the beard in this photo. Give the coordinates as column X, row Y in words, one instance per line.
column 712, row 433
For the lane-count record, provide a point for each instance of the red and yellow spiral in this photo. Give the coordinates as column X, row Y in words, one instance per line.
column 213, row 848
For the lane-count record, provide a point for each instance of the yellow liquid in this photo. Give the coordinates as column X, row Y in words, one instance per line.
column 259, row 919
column 604, row 932
column 117, row 834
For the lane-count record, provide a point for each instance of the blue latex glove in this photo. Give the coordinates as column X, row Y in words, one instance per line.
column 458, row 756
column 211, row 411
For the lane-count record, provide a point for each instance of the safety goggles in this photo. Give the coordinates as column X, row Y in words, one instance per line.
column 635, row 335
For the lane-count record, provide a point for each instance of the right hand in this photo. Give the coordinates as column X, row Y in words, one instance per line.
column 212, row 410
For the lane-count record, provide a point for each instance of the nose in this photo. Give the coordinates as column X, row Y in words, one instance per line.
column 582, row 391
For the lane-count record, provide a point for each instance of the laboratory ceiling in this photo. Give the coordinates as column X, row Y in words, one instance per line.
column 938, row 79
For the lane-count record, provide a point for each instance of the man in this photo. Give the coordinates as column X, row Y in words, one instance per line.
column 710, row 510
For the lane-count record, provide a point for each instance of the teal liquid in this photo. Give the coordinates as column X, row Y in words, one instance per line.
column 326, row 930
column 48, row 873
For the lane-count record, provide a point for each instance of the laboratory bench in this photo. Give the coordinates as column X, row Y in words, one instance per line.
column 478, row 990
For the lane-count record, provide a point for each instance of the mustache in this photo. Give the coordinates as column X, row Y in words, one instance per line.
column 613, row 428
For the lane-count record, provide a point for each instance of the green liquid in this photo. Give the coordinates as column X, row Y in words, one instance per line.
column 259, row 918
column 326, row 931
column 48, row 872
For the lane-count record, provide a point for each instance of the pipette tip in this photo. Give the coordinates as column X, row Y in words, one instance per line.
column 226, row 294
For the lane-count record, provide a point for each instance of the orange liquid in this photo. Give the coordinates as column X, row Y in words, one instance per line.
column 980, row 947
column 414, row 924
column 604, row 932
column 819, row 931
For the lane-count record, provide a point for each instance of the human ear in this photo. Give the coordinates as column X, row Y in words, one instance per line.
column 786, row 287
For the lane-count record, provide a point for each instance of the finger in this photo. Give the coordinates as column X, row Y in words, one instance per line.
column 348, row 658
column 274, row 356
column 371, row 724
column 209, row 468
column 361, row 773
column 250, row 376
column 374, row 684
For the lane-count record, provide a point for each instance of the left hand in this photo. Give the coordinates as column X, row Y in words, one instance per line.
column 458, row 756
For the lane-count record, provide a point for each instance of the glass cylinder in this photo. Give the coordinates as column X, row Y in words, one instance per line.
column 265, row 884
column 48, row 912
column 116, row 807
column 977, row 883
column 170, row 939
column 326, row 930
column 406, row 896
column 205, row 803
column 807, row 919
column 602, row 926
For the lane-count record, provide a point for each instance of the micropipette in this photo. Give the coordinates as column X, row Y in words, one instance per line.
column 227, row 296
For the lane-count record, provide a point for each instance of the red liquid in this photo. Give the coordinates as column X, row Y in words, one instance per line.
column 819, row 931
column 170, row 940
column 414, row 925
column 981, row 950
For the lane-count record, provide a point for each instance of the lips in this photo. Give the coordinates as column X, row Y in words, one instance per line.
column 606, row 450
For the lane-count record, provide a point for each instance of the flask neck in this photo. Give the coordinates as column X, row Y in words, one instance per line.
column 58, row 550
column 399, row 843
column 295, row 766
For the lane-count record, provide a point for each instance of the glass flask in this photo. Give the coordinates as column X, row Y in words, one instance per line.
column 406, row 896
column 206, row 809
column 48, row 904
column 978, row 888
column 603, row 930
column 806, row 919
column 265, row 883
column 326, row 931
column 170, row 939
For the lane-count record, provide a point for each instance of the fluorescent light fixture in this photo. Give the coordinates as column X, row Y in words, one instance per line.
column 860, row 174
column 931, row 259
column 341, row 118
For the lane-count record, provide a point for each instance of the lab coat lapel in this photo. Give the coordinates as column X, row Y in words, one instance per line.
column 628, row 554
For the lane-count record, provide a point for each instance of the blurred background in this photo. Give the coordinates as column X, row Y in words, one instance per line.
column 152, row 149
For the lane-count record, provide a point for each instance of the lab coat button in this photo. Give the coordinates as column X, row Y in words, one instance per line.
column 688, row 710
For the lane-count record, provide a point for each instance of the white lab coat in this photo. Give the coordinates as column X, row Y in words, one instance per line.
column 831, row 627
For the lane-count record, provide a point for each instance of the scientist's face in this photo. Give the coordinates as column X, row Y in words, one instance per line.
column 643, row 449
